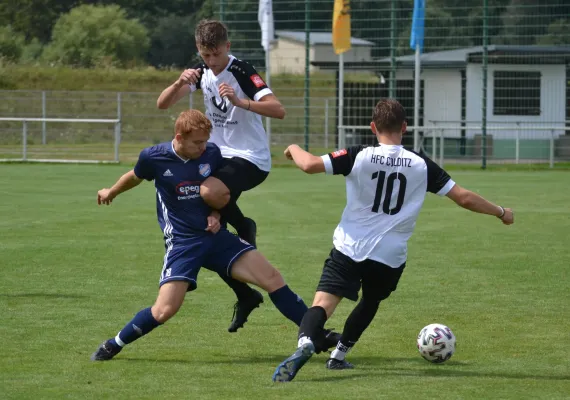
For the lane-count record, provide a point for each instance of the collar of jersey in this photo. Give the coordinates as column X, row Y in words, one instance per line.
column 231, row 60
column 176, row 154
column 389, row 145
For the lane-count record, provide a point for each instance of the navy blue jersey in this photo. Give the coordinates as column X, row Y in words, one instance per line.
column 180, row 209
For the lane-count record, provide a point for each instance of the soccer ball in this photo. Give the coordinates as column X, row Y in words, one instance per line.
column 436, row 343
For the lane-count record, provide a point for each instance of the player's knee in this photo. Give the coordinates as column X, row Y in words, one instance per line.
column 215, row 195
column 273, row 280
column 163, row 312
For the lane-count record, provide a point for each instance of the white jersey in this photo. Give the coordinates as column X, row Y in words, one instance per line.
column 237, row 132
column 386, row 186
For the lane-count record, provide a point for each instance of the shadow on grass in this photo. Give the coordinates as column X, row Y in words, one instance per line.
column 366, row 366
column 43, row 295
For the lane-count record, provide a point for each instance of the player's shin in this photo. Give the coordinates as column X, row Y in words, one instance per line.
column 289, row 304
column 311, row 327
column 355, row 325
column 140, row 325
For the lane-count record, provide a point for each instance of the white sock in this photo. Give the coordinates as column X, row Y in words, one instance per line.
column 340, row 352
column 119, row 341
column 303, row 340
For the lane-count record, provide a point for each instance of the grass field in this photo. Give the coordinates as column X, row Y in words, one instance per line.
column 73, row 273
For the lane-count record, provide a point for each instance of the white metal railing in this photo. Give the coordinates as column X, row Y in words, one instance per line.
column 438, row 134
column 117, row 135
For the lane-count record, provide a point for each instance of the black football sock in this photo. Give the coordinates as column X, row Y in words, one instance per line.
column 355, row 325
column 312, row 325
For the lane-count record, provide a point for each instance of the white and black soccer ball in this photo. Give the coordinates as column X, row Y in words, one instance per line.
column 436, row 343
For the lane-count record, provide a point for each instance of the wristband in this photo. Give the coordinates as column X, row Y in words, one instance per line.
column 502, row 213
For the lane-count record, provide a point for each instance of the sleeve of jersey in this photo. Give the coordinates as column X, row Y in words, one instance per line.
column 196, row 86
column 439, row 181
column 341, row 161
column 143, row 168
column 250, row 82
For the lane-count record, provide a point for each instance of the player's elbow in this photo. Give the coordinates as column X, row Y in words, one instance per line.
column 280, row 112
column 161, row 104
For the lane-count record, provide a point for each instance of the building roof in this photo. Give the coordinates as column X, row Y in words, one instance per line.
column 459, row 58
column 318, row 38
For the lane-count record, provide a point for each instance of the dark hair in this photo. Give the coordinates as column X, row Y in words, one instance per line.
column 388, row 116
column 210, row 33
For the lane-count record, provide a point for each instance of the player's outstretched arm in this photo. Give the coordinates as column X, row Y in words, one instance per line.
column 473, row 202
column 125, row 182
column 179, row 89
column 306, row 161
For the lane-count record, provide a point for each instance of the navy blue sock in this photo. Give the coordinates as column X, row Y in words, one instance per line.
column 139, row 326
column 289, row 304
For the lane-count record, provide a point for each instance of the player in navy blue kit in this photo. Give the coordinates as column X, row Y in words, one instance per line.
column 235, row 99
column 192, row 232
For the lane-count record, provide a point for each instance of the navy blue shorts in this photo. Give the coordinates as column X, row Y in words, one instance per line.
column 184, row 257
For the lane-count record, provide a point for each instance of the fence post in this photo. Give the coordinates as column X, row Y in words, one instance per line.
column 326, row 123
column 441, row 143
column 517, row 144
column 552, row 148
column 44, row 139
column 118, row 127
column 434, row 142
column 25, row 140
column 307, row 71
column 484, row 102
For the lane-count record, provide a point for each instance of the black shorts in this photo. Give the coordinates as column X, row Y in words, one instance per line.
column 343, row 277
column 239, row 175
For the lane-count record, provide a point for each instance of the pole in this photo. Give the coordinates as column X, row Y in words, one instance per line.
column 552, row 148
column 222, row 10
column 517, row 144
column 341, row 131
column 307, row 64
column 44, row 139
column 392, row 82
column 25, row 141
column 326, row 123
column 268, row 82
column 118, row 127
column 484, row 105
column 417, row 100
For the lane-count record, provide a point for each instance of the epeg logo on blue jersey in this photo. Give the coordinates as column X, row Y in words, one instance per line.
column 188, row 190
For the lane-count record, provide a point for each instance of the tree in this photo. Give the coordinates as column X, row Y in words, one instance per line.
column 172, row 42
column 33, row 18
column 558, row 33
column 97, row 35
column 11, row 44
column 525, row 21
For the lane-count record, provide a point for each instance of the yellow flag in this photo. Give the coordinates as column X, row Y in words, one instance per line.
column 341, row 26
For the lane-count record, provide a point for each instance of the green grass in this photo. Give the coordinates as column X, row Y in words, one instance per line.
column 73, row 273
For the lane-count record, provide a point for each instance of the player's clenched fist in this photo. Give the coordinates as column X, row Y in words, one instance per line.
column 104, row 196
column 189, row 77
column 509, row 217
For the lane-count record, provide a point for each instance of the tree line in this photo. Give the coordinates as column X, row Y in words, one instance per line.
column 128, row 33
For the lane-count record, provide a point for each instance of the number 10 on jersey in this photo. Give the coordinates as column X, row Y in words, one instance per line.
column 389, row 183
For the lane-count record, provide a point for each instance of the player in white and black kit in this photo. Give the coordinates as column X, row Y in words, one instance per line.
column 235, row 98
column 386, row 186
